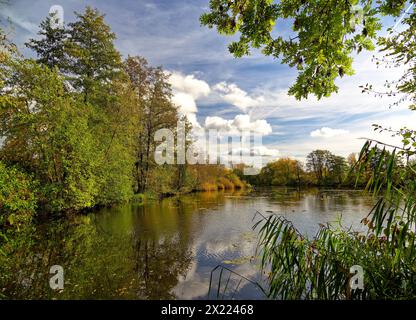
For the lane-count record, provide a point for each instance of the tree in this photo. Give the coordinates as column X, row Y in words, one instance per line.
column 185, row 131
column 283, row 172
column 17, row 199
column 317, row 163
column 46, row 134
column 398, row 47
column 96, row 73
column 93, row 60
column 337, row 168
column 325, row 34
column 50, row 49
column 116, row 128
column 327, row 167
column 156, row 109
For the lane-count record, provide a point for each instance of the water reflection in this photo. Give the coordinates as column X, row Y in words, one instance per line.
column 167, row 249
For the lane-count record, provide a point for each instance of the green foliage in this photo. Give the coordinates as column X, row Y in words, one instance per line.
column 319, row 268
column 50, row 48
column 18, row 201
column 156, row 112
column 161, row 178
column 326, row 167
column 82, row 122
column 93, row 59
column 46, row 133
column 282, row 172
column 399, row 48
column 325, row 34
column 322, row 169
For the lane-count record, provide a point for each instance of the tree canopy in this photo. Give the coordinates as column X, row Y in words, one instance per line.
column 324, row 35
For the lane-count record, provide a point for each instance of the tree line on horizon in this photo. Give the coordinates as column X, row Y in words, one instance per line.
column 321, row 168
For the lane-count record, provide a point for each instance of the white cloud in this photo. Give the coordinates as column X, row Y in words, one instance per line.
column 265, row 151
column 236, row 96
column 326, row 132
column 269, row 104
column 193, row 120
column 241, row 122
column 186, row 102
column 186, row 91
column 350, row 100
column 217, row 123
column 189, row 84
column 353, row 141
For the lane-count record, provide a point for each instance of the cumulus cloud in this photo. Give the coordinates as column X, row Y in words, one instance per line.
column 326, row 132
column 265, row 151
column 217, row 123
column 231, row 93
column 241, row 122
column 185, row 101
column 186, row 91
column 189, row 84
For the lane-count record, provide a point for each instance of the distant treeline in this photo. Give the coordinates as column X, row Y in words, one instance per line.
column 322, row 168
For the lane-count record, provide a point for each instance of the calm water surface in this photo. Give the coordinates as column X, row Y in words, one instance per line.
column 168, row 249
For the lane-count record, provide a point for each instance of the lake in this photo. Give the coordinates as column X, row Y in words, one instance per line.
column 168, row 249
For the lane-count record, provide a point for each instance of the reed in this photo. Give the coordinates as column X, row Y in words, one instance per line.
column 319, row 268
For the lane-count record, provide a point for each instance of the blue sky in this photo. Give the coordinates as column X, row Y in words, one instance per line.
column 217, row 91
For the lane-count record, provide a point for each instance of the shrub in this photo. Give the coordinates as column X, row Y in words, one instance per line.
column 225, row 183
column 207, row 186
column 18, row 200
column 235, row 180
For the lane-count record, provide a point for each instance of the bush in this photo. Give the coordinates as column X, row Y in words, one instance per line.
column 235, row 180
column 207, row 186
column 18, row 200
column 224, row 183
